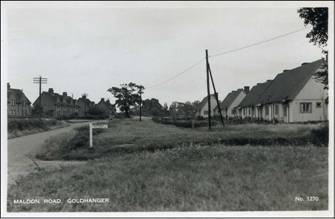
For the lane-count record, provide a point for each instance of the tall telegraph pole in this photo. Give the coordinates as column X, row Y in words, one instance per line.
column 208, row 93
column 210, row 77
column 39, row 80
column 216, row 94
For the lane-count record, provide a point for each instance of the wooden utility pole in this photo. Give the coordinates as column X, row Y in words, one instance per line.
column 39, row 80
column 216, row 94
column 208, row 93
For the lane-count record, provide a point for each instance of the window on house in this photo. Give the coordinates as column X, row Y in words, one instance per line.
column 206, row 112
column 266, row 110
column 13, row 102
column 276, row 109
column 318, row 105
column 305, row 107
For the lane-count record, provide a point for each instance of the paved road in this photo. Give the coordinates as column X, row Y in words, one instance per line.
column 19, row 148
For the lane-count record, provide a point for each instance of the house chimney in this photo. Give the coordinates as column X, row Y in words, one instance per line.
column 246, row 89
column 64, row 94
column 8, row 85
column 102, row 99
column 51, row 90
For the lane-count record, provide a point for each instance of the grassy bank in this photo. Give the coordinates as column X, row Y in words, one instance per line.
column 21, row 127
column 129, row 136
column 216, row 178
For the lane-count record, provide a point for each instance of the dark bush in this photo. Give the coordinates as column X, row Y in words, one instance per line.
column 28, row 124
column 320, row 136
column 182, row 122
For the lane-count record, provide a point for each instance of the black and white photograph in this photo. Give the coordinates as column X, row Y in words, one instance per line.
column 167, row 108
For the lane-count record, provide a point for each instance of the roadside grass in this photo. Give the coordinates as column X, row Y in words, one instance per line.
column 194, row 178
column 26, row 126
column 65, row 146
column 129, row 136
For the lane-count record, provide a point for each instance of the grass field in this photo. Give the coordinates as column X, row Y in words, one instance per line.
column 129, row 136
column 187, row 177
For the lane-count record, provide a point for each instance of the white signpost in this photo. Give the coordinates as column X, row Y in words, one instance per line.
column 97, row 125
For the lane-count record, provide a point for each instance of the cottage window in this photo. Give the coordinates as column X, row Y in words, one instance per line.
column 276, row 109
column 13, row 102
column 206, row 112
column 318, row 105
column 305, row 107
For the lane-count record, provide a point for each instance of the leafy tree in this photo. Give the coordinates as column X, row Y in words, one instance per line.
column 166, row 109
column 152, row 107
column 96, row 112
column 127, row 96
column 187, row 109
column 318, row 19
column 173, row 109
column 196, row 105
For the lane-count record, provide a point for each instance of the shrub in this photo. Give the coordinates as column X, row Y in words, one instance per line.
column 182, row 122
column 96, row 113
column 28, row 124
column 66, row 146
column 320, row 135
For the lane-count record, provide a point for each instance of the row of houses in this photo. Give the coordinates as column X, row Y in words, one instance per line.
column 18, row 105
column 292, row 96
column 54, row 105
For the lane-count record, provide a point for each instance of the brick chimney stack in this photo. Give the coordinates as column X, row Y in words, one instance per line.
column 64, row 94
column 51, row 90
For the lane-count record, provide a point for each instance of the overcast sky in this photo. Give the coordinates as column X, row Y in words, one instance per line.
column 88, row 50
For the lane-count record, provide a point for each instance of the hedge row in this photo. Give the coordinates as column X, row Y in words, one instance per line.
column 182, row 122
column 28, row 124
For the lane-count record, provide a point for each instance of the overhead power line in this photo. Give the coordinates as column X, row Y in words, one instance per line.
column 226, row 52
column 258, row 43
column 177, row 75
